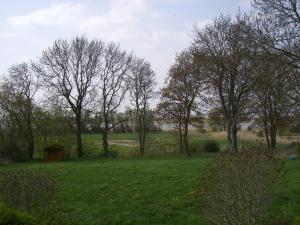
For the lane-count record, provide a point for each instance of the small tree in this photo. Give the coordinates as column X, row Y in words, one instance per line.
column 17, row 99
column 185, row 83
column 141, row 86
column 272, row 103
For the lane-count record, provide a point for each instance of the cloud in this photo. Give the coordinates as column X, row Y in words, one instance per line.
column 120, row 12
column 138, row 25
column 56, row 15
column 121, row 21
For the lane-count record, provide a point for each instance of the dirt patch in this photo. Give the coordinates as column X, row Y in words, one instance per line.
column 124, row 143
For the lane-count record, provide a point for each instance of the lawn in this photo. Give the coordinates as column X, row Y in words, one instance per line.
column 150, row 190
column 156, row 189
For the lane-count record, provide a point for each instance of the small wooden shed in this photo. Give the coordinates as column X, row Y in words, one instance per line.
column 54, row 153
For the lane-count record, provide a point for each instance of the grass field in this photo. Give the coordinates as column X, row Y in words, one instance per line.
column 150, row 190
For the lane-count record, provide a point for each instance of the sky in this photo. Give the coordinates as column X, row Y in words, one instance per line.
column 153, row 29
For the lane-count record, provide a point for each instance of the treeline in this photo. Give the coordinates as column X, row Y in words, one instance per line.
column 245, row 68
column 76, row 85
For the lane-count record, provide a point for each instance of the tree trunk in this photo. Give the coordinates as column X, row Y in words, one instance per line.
column 185, row 141
column 144, row 133
column 233, row 136
column 104, row 138
column 180, row 137
column 185, row 134
column 140, row 127
column 273, row 137
column 30, row 138
column 78, row 136
column 105, row 143
column 229, row 132
column 267, row 136
column 30, row 149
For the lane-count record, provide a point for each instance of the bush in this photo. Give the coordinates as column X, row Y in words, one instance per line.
column 91, row 150
column 237, row 188
column 27, row 190
column 298, row 150
column 13, row 217
column 211, row 146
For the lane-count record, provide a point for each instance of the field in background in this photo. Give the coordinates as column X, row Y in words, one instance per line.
column 158, row 143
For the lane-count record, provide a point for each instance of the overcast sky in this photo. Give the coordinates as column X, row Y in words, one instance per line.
column 153, row 29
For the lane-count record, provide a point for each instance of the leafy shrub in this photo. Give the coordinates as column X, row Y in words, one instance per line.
column 91, row 150
column 211, row 146
column 13, row 217
column 237, row 188
column 27, row 190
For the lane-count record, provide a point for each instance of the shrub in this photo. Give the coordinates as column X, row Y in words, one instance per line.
column 211, row 146
column 13, row 217
column 27, row 190
column 91, row 150
column 237, row 188
column 298, row 150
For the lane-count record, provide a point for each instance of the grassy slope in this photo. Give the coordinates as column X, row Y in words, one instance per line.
column 151, row 190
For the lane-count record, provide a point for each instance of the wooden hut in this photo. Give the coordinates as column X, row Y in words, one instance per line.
column 53, row 153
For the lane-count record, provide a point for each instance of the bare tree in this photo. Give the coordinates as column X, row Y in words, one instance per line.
column 186, row 80
column 17, row 99
column 111, row 77
column 227, row 47
column 141, row 86
column 279, row 29
column 68, row 69
column 272, row 102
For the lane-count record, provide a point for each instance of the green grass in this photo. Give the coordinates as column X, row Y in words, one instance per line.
column 287, row 201
column 154, row 189
column 150, row 190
